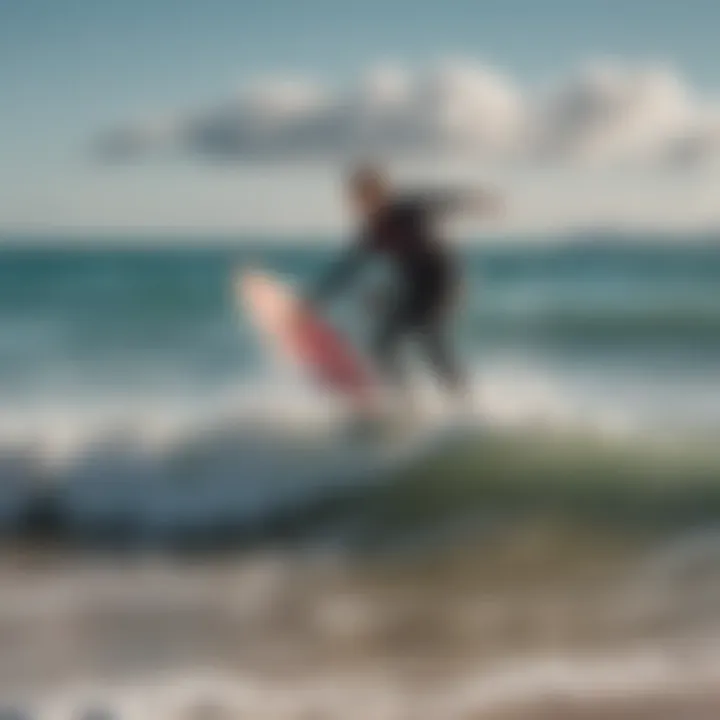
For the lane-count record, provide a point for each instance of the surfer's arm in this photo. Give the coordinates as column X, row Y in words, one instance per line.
column 486, row 202
column 340, row 274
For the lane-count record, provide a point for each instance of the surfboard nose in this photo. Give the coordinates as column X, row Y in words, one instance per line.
column 302, row 337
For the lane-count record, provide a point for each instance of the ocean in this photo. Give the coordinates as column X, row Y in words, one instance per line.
column 187, row 534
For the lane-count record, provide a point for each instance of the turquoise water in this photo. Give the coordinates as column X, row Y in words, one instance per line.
column 93, row 319
column 129, row 374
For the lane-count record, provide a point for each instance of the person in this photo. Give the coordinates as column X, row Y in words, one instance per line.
column 403, row 228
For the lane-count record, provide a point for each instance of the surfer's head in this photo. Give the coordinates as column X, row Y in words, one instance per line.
column 369, row 188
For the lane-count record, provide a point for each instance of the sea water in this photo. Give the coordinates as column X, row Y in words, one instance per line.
column 181, row 528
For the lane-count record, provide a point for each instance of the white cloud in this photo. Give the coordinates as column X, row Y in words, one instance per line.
column 699, row 143
column 605, row 113
column 473, row 109
column 455, row 108
column 607, row 145
column 610, row 113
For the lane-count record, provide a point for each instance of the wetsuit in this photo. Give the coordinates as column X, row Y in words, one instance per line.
column 404, row 232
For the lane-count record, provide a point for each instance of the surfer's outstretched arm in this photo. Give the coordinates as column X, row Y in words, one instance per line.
column 486, row 202
column 340, row 274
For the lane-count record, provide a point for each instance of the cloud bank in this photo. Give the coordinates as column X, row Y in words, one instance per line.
column 603, row 113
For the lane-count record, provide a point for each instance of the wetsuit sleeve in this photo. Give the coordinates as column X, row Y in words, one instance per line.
column 444, row 203
column 341, row 273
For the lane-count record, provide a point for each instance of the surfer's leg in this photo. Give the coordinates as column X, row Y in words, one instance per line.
column 386, row 348
column 435, row 326
column 394, row 328
column 442, row 357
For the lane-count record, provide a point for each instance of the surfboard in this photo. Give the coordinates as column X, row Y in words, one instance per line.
column 303, row 338
column 308, row 341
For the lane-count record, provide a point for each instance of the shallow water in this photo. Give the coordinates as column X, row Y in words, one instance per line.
column 576, row 626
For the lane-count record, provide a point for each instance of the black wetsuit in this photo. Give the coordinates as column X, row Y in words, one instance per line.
column 404, row 232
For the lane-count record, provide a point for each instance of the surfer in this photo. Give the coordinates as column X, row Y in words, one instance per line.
column 428, row 280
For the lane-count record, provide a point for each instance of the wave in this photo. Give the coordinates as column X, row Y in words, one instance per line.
column 278, row 472
column 645, row 325
column 621, row 685
column 282, row 635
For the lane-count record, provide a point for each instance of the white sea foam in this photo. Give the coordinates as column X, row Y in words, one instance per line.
column 584, row 681
column 149, row 467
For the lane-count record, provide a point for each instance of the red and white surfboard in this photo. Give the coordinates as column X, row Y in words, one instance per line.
column 302, row 337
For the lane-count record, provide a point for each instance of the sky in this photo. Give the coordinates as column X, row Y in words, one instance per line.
column 238, row 115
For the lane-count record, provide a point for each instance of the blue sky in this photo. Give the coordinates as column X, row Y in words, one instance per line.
column 71, row 68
